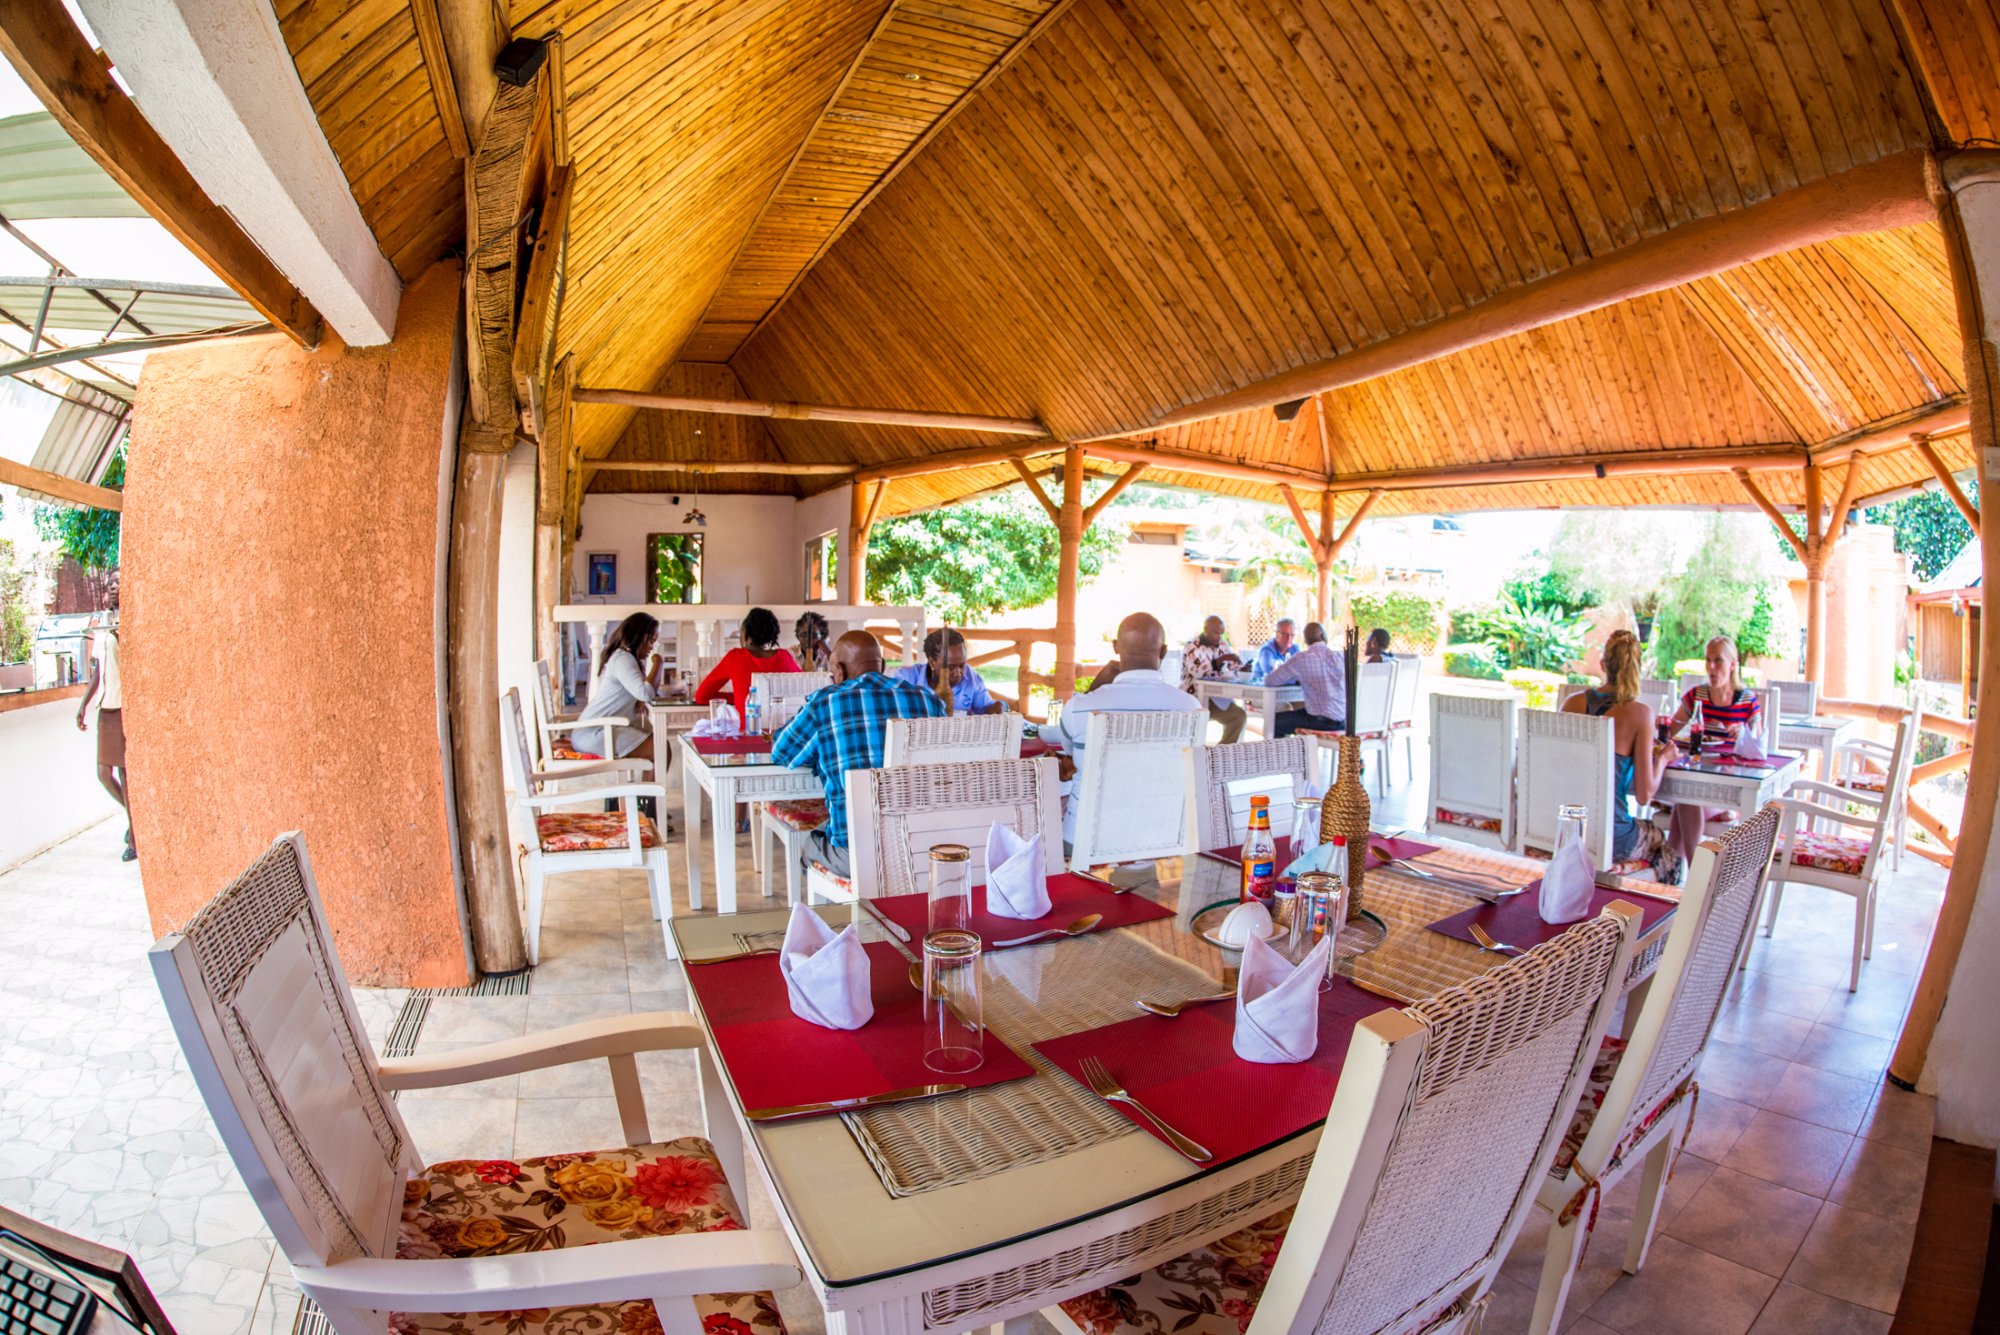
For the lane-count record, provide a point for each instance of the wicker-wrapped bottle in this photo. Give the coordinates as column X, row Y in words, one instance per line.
column 1344, row 811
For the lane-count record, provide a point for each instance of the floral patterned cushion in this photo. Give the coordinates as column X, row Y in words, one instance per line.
column 1830, row 852
column 560, row 749
column 577, row 831
column 1466, row 820
column 807, row 815
column 1609, row 1053
column 818, row 868
column 501, row 1207
column 1866, row 783
column 1213, row 1290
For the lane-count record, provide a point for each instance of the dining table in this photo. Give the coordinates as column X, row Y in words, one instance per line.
column 1726, row 782
column 1822, row 735
column 948, row 1212
column 1262, row 703
column 725, row 771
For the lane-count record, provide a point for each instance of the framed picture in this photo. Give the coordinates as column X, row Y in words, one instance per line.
column 603, row 574
column 673, row 567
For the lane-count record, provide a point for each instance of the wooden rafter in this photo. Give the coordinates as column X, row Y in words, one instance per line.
column 1945, row 479
column 553, row 458
column 775, row 468
column 1124, row 480
column 1771, row 512
column 73, row 82
column 498, row 179
column 1035, row 490
column 541, row 302
column 437, row 64
column 60, row 487
column 632, row 398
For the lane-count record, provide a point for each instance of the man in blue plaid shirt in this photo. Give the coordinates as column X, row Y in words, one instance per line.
column 845, row 727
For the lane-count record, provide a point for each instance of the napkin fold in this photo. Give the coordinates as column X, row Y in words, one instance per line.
column 1750, row 746
column 825, row 972
column 1567, row 884
column 1015, row 885
column 709, row 727
column 1277, row 1004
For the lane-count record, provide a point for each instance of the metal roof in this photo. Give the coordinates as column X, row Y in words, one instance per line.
column 43, row 174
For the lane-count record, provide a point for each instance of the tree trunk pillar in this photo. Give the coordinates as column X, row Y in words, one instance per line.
column 1815, row 564
column 474, row 701
column 864, row 500
column 1069, row 530
column 1324, row 612
column 548, row 595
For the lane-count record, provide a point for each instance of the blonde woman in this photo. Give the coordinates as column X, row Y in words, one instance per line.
column 1724, row 708
column 1638, row 764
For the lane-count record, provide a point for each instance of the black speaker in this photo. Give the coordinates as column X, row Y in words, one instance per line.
column 519, row 59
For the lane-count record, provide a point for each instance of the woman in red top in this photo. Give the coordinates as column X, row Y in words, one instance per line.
column 1720, row 710
column 759, row 653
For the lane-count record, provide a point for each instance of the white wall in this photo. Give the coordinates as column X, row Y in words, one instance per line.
column 48, row 780
column 824, row 513
column 753, row 550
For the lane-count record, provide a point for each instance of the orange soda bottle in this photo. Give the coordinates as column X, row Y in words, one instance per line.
column 1260, row 855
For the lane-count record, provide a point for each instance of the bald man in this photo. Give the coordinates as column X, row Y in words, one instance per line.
column 1130, row 683
column 844, row 727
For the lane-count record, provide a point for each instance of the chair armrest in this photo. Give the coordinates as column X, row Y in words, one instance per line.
column 569, row 724
column 1793, row 809
column 629, row 765
column 738, row 1261
column 614, row 1035
column 591, row 794
column 1834, row 791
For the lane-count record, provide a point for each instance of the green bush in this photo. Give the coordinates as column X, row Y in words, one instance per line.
column 1410, row 619
column 1471, row 660
column 1540, row 687
column 1531, row 635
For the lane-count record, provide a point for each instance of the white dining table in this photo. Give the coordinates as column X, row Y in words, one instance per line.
column 1739, row 788
column 724, row 780
column 1823, row 735
column 1261, row 702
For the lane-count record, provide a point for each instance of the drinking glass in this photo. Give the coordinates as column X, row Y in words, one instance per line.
column 1305, row 826
column 954, row 1014
column 951, row 888
column 1319, row 913
column 723, row 715
column 1570, row 820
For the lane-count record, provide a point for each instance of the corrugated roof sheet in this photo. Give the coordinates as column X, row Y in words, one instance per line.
column 43, row 174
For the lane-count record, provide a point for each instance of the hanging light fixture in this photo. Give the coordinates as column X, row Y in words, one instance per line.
column 694, row 515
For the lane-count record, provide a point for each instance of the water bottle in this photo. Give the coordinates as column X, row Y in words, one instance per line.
column 750, row 712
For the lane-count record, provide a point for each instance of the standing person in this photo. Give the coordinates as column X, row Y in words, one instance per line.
column 1377, row 648
column 811, row 648
column 759, row 652
column 846, row 726
column 944, row 663
column 1282, row 645
column 1322, row 675
column 1130, row 683
column 1207, row 655
column 1722, row 708
column 622, row 689
column 1638, row 765
column 106, row 689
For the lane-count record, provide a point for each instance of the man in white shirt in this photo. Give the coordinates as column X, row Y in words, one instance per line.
column 1129, row 683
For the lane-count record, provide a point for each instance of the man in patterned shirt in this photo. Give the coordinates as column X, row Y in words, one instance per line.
column 1322, row 675
column 1209, row 655
column 845, row 727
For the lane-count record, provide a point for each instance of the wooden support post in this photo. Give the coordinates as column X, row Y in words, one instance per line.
column 548, row 594
column 864, row 502
column 1323, row 607
column 1353, row 523
column 1815, row 579
column 1325, row 546
column 1069, row 530
column 1946, row 480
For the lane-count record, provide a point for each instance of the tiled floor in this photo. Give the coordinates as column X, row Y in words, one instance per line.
column 1792, row 1209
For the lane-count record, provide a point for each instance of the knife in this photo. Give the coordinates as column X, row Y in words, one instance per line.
column 845, row 1105
column 1492, row 894
column 897, row 930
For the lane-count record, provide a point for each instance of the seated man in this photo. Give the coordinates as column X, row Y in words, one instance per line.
column 944, row 656
column 1282, row 646
column 845, row 727
column 1130, row 683
column 1209, row 655
column 1322, row 675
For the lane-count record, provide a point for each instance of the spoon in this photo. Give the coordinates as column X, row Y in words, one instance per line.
column 1170, row 1009
column 1077, row 928
column 1488, row 943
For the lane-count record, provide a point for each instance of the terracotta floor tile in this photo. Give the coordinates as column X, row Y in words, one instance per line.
column 1903, row 1118
column 1740, row 1073
column 1746, row 1220
column 1881, row 1179
column 1796, row 1311
column 1857, row 1257
column 1762, row 1031
column 1684, row 1291
column 1845, row 1052
column 1789, row 1152
column 1718, row 1121
column 1823, row 1098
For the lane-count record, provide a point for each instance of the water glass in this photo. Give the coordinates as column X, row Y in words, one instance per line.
column 954, row 1013
column 1570, row 821
column 723, row 715
column 1319, row 913
column 951, row 888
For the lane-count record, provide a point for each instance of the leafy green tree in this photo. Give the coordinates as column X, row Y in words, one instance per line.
column 1410, row 618
column 17, row 627
column 1718, row 592
column 967, row 562
column 91, row 536
column 1928, row 526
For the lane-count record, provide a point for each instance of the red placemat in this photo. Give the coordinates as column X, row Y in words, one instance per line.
column 1233, row 854
column 1382, row 847
column 775, row 1059
column 1517, row 920
column 1070, row 897
column 1033, row 747
column 1186, row 1070
column 731, row 746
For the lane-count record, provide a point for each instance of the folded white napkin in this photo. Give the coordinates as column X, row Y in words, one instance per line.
column 1015, row 886
column 1277, row 1004
column 1749, row 746
column 709, row 727
column 1567, row 884
column 826, row 972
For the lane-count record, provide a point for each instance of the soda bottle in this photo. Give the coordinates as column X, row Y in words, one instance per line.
column 1260, row 855
column 1336, row 867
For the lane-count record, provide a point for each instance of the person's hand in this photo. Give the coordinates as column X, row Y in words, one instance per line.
column 81, row 726
column 1105, row 675
column 1065, row 767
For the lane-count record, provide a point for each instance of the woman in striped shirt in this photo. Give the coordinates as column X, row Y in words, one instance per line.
column 1725, row 709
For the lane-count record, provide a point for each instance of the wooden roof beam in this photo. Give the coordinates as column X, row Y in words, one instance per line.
column 629, row 398
column 1266, row 475
column 56, row 61
column 1771, row 512
column 1946, row 480
column 772, row 469
column 1890, row 192
column 60, row 487
column 1943, row 418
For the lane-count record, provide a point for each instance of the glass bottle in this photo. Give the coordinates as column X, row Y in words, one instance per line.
column 1260, row 855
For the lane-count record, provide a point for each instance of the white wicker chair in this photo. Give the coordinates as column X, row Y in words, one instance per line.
column 1442, row 1129
column 1472, row 768
column 1565, row 758
column 1224, row 778
column 565, row 841
column 782, row 694
column 1797, row 699
column 1649, row 1079
column 1862, row 766
column 1131, row 793
column 558, row 733
column 939, row 741
column 895, row 815
column 263, row 1012
column 1851, row 864
column 1660, row 694
column 1403, row 697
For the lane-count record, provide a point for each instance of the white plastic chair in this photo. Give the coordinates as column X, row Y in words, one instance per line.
column 895, row 815
column 1472, row 768
column 1403, row 696
column 939, row 741
column 1850, row 863
column 564, row 841
column 1223, row 779
column 1863, row 767
column 1797, row 699
column 1565, row 759
column 263, row 1011
column 1660, row 694
column 1131, row 792
column 1443, row 1125
column 558, row 732
column 1649, row 1078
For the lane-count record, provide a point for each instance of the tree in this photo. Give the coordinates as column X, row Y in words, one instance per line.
column 17, row 626
column 1928, row 526
column 968, row 561
column 1718, row 593
column 91, row 536
column 1621, row 556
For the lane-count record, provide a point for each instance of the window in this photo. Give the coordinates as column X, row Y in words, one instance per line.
column 823, row 568
column 673, row 567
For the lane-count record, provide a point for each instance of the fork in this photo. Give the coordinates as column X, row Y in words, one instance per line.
column 1108, row 1089
column 1488, row 943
